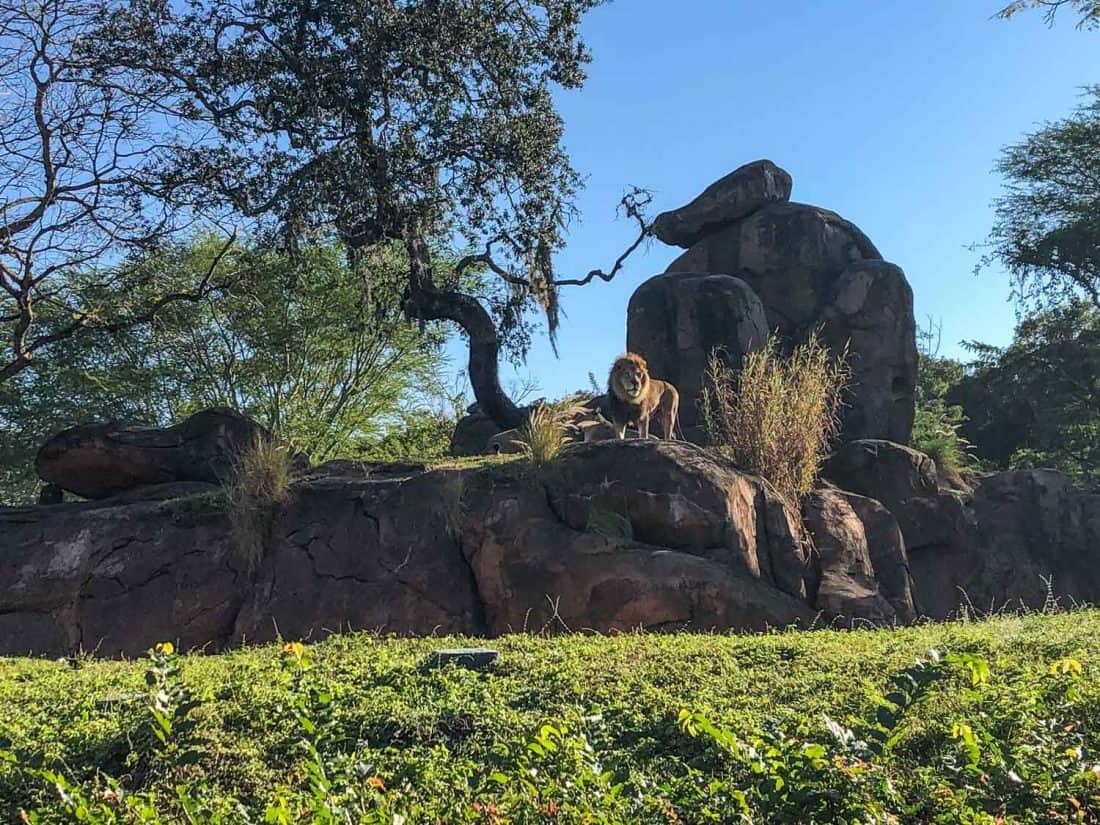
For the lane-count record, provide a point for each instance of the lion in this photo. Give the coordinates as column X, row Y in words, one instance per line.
column 635, row 398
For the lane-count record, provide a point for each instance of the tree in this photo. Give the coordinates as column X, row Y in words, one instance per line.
column 1088, row 11
column 936, row 422
column 294, row 344
column 1047, row 226
column 1037, row 401
column 80, row 182
column 421, row 122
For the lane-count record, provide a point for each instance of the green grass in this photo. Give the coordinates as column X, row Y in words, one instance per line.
column 398, row 742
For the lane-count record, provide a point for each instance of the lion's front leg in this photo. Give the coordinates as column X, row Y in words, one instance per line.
column 643, row 428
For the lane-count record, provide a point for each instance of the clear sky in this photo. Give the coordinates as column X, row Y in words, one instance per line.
column 890, row 113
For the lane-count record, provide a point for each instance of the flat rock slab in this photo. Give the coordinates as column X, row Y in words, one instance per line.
column 741, row 192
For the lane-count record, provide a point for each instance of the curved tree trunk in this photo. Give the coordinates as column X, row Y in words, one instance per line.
column 427, row 303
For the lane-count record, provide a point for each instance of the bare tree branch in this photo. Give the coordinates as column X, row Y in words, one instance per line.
column 81, row 179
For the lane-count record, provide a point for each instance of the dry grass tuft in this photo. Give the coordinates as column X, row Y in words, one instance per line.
column 779, row 415
column 260, row 487
column 544, row 433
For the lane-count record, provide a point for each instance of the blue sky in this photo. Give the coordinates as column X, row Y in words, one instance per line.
column 891, row 114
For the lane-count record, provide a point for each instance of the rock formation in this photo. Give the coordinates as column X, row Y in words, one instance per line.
column 806, row 267
column 100, row 460
column 612, row 536
column 677, row 320
column 738, row 194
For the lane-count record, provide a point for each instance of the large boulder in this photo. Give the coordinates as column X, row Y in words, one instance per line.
column 870, row 312
column 536, row 574
column 652, row 535
column 864, row 571
column 677, row 495
column 676, row 321
column 741, row 192
column 791, row 254
column 100, row 460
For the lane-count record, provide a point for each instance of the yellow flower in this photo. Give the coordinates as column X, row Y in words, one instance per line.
column 1068, row 666
column 294, row 649
column 165, row 648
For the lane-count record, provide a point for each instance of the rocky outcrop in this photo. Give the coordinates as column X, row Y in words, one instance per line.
column 906, row 482
column 100, row 460
column 1018, row 539
column 472, row 432
column 810, row 269
column 791, row 254
column 740, row 193
column 1032, row 537
column 612, row 536
column 349, row 554
column 676, row 321
column 113, row 577
column 600, row 549
column 864, row 569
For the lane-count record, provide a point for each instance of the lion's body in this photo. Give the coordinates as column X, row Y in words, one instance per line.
column 635, row 398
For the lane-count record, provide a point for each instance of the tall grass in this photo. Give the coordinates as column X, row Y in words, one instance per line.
column 259, row 488
column 779, row 414
column 543, row 434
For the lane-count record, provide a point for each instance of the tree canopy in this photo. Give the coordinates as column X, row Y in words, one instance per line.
column 82, row 155
column 293, row 344
column 1087, row 11
column 1036, row 402
column 429, row 123
column 1046, row 231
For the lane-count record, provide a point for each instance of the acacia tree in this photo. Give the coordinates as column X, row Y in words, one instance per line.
column 80, row 183
column 425, row 122
column 1046, row 231
column 1088, row 11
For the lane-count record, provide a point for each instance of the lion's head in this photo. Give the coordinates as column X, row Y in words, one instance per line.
column 629, row 377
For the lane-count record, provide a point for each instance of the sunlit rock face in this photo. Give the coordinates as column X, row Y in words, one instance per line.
column 808, row 269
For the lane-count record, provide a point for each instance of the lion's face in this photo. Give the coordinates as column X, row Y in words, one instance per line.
column 630, row 377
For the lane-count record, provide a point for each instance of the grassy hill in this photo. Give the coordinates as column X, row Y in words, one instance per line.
column 1000, row 724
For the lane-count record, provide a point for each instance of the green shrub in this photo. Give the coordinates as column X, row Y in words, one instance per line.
column 778, row 415
column 823, row 727
column 421, row 435
column 936, row 434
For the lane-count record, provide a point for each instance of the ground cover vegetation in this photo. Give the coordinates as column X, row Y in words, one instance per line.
column 976, row 722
